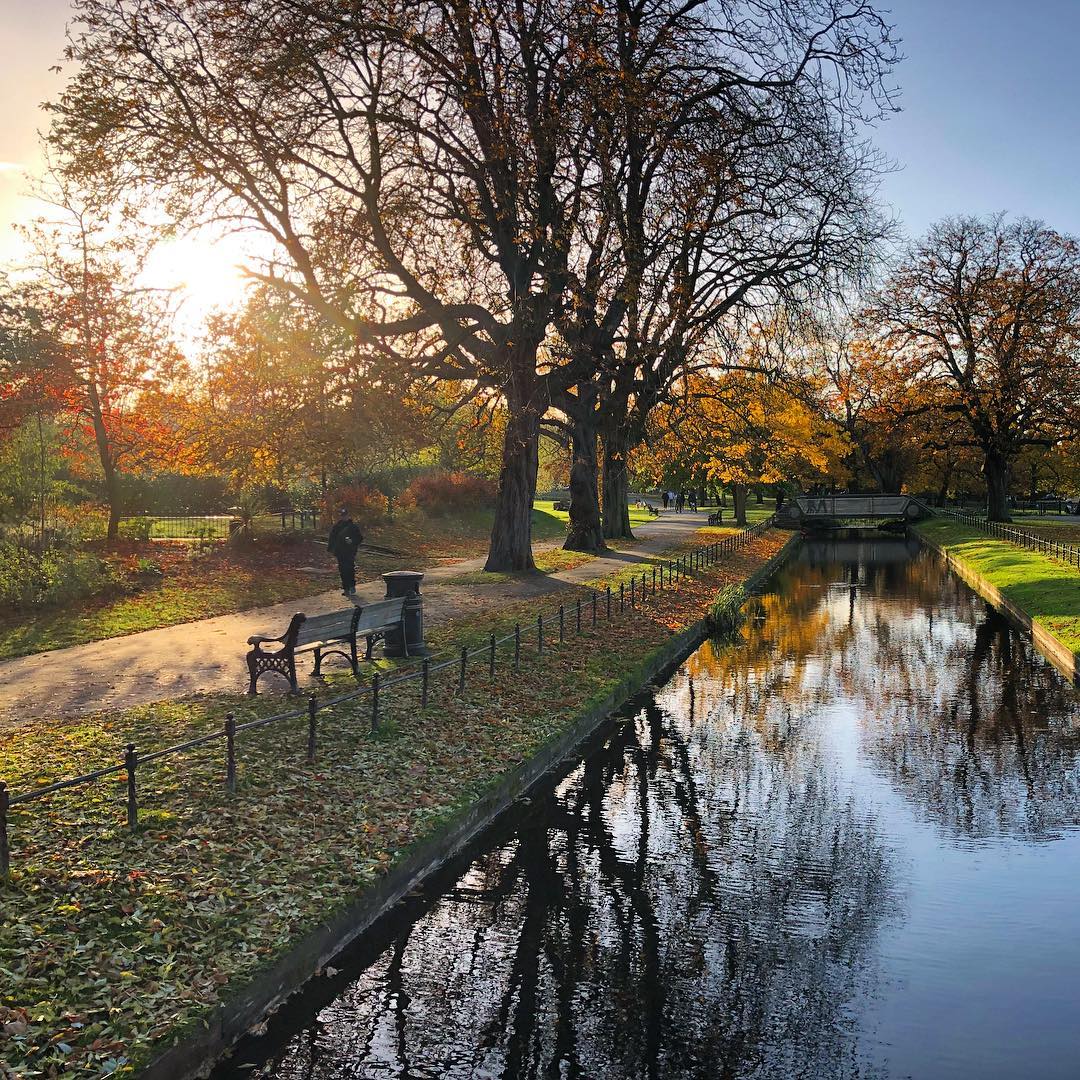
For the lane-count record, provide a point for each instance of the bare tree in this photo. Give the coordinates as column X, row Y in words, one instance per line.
column 988, row 313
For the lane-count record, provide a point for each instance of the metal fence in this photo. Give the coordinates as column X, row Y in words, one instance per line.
column 1056, row 549
column 177, row 526
column 555, row 626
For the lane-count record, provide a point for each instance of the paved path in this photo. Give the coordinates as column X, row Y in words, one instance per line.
column 174, row 661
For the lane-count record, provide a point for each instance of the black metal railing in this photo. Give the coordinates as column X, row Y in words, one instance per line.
column 603, row 605
column 1055, row 549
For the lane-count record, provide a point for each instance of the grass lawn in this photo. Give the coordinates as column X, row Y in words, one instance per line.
column 113, row 945
column 225, row 580
column 1048, row 590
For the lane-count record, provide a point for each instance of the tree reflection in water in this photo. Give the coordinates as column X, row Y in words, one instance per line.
column 704, row 895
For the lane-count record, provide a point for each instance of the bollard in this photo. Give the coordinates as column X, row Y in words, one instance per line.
column 491, row 657
column 425, row 674
column 461, row 673
column 562, row 624
column 517, row 646
column 312, row 708
column 230, row 753
column 131, row 763
column 5, row 853
column 375, row 702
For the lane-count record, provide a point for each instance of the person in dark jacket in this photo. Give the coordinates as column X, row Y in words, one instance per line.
column 345, row 537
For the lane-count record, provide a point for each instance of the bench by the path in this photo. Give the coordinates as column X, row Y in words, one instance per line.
column 325, row 635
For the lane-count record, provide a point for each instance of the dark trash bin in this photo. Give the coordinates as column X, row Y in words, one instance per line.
column 406, row 583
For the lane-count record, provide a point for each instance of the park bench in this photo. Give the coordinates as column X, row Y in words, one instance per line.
column 325, row 635
column 716, row 517
column 644, row 504
column 561, row 504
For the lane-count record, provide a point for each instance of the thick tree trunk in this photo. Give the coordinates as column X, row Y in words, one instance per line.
column 616, row 485
column 586, row 531
column 738, row 494
column 510, row 549
column 759, row 495
column 996, row 471
column 781, row 494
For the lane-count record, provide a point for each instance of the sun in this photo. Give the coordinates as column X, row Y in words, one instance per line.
column 205, row 275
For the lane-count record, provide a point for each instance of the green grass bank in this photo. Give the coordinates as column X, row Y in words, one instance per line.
column 1044, row 589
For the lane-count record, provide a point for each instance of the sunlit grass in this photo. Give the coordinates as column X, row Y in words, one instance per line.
column 1048, row 590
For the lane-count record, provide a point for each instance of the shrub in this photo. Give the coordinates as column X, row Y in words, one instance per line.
column 363, row 502
column 31, row 580
column 439, row 493
column 136, row 528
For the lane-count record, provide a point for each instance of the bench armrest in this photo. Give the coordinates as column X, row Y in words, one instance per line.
column 261, row 639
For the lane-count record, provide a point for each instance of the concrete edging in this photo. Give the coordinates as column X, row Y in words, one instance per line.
column 1055, row 650
column 201, row 1049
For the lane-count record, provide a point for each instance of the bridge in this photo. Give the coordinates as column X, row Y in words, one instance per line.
column 825, row 510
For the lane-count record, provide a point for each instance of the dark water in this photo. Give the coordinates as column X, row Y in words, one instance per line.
column 844, row 846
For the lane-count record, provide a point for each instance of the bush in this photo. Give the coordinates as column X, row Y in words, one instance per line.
column 29, row 580
column 440, row 493
column 136, row 528
column 364, row 503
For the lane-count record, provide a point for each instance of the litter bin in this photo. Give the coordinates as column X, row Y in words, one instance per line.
column 406, row 583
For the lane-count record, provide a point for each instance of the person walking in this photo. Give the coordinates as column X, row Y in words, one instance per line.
column 345, row 537
column 666, row 500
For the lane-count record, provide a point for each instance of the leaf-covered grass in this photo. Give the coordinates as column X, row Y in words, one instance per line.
column 1048, row 590
column 113, row 945
column 230, row 580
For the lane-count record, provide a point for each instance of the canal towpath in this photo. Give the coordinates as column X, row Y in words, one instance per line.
column 208, row 655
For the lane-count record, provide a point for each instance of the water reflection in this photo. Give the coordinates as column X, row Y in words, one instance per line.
column 761, row 871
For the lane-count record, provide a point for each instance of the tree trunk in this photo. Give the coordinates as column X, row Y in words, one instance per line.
column 616, row 485
column 996, row 471
column 510, row 549
column 780, row 496
column 108, row 465
column 759, row 495
column 586, row 531
column 738, row 494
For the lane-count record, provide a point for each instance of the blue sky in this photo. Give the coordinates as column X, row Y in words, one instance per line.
column 990, row 120
column 991, row 111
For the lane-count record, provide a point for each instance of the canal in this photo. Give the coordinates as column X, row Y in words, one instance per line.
column 843, row 845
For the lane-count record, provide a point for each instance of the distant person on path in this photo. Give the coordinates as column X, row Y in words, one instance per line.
column 680, row 502
column 667, row 500
column 693, row 502
column 345, row 537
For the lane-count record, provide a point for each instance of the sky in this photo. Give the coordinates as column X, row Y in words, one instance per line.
column 990, row 99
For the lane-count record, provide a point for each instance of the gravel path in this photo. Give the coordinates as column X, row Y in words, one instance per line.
column 174, row 661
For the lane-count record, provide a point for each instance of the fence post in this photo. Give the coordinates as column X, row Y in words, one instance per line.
column 562, row 624
column 594, row 604
column 633, row 582
column 312, row 707
column 608, row 601
column 622, row 596
column 540, row 634
column 230, row 753
column 654, row 580
column 491, row 657
column 578, row 615
column 131, row 762
column 375, row 702
column 5, row 853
